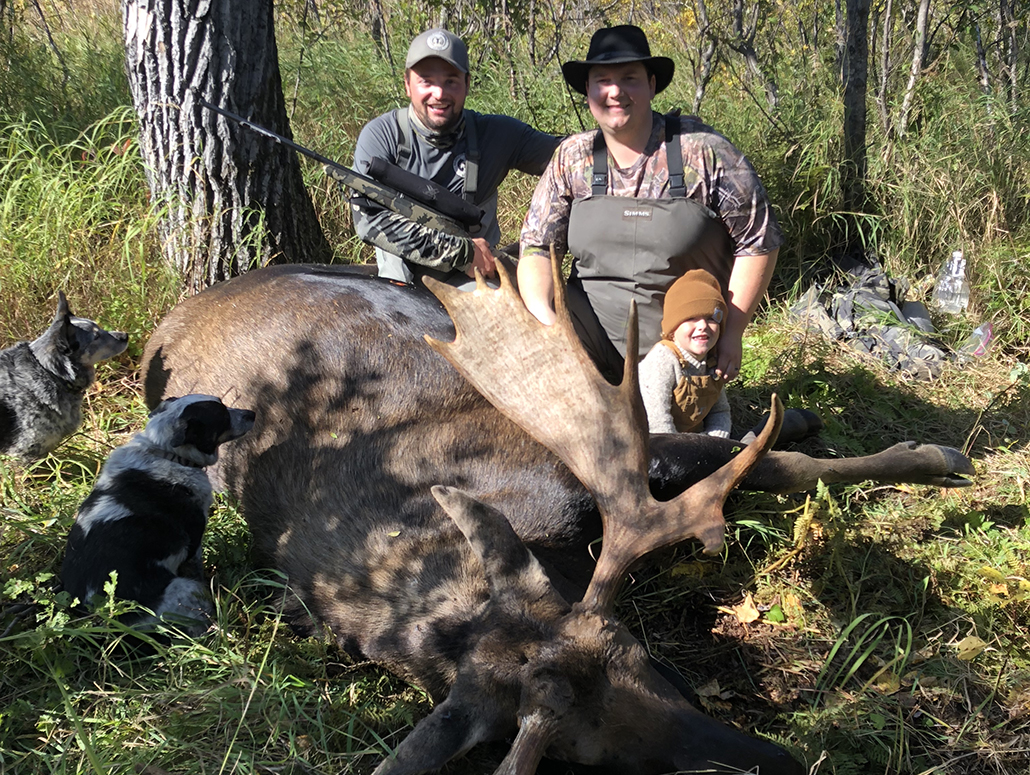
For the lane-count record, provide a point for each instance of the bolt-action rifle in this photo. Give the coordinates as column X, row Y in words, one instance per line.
column 422, row 201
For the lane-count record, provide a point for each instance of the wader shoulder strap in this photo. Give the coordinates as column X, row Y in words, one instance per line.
column 404, row 138
column 673, row 151
column 599, row 182
column 675, row 351
column 471, row 158
column 674, row 155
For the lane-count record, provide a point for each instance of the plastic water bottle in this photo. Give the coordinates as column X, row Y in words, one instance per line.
column 976, row 344
column 951, row 294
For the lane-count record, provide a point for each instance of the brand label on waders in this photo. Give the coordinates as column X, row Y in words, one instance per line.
column 637, row 213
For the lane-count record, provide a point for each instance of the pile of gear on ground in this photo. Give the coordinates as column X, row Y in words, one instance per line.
column 872, row 315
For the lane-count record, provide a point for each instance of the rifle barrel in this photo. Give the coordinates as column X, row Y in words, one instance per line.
column 283, row 140
column 399, row 200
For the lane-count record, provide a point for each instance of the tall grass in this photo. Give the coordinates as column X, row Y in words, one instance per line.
column 62, row 65
column 75, row 217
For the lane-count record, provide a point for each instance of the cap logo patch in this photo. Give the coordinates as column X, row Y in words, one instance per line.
column 437, row 41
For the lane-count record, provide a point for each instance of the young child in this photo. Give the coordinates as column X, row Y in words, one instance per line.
column 679, row 393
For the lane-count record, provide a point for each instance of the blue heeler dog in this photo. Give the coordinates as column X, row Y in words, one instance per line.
column 42, row 382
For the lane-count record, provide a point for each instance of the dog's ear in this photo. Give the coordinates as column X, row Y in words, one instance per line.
column 163, row 405
column 66, row 339
column 179, row 435
column 201, row 425
column 62, row 307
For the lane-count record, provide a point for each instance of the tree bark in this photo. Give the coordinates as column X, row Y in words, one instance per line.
column 918, row 54
column 1009, row 27
column 235, row 200
column 983, row 68
column 886, row 41
column 856, row 66
column 744, row 44
column 706, row 66
column 699, row 53
column 840, row 35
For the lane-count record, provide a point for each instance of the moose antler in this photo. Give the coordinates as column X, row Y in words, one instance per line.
column 542, row 379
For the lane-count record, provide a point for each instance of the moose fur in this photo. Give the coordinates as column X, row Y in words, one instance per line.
column 439, row 539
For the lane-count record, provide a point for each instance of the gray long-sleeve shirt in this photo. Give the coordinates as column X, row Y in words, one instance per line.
column 504, row 144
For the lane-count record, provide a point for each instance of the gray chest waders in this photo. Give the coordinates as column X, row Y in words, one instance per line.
column 634, row 248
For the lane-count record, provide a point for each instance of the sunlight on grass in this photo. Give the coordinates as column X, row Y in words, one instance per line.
column 75, row 217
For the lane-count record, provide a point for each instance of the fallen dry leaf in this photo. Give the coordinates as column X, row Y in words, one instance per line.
column 710, row 689
column 746, row 612
column 694, row 570
column 970, row 647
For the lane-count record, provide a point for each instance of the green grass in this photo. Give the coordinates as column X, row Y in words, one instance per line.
column 74, row 216
column 892, row 619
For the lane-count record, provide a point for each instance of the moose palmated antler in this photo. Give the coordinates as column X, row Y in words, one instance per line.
column 535, row 732
column 542, row 379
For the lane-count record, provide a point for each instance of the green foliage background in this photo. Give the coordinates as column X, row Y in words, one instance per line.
column 891, row 636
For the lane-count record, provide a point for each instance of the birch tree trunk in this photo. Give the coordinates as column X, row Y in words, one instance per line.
column 1009, row 27
column 235, row 200
column 704, row 63
column 918, row 54
column 744, row 31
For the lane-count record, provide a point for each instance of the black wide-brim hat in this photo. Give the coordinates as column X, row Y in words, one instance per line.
column 616, row 46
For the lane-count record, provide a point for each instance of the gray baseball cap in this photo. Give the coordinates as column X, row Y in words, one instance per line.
column 438, row 43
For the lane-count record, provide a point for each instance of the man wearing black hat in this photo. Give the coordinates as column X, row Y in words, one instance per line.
column 468, row 153
column 640, row 201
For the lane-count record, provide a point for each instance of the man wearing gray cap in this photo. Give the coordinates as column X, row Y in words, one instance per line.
column 436, row 138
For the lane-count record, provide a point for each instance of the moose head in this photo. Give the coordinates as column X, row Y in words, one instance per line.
column 568, row 680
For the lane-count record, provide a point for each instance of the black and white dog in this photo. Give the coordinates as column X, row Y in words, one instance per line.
column 148, row 510
column 42, row 382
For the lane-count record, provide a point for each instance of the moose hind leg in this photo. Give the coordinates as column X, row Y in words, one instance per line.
column 907, row 462
column 679, row 460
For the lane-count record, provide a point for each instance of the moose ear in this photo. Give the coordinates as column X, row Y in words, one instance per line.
column 467, row 717
column 510, row 568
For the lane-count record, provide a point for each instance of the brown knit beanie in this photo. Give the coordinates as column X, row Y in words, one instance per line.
column 694, row 295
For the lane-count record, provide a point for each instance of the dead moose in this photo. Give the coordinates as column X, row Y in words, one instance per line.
column 436, row 515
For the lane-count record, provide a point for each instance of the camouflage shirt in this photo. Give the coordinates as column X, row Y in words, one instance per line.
column 715, row 174
column 505, row 144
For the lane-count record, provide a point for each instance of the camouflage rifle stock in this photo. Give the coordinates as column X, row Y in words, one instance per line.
column 404, row 203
